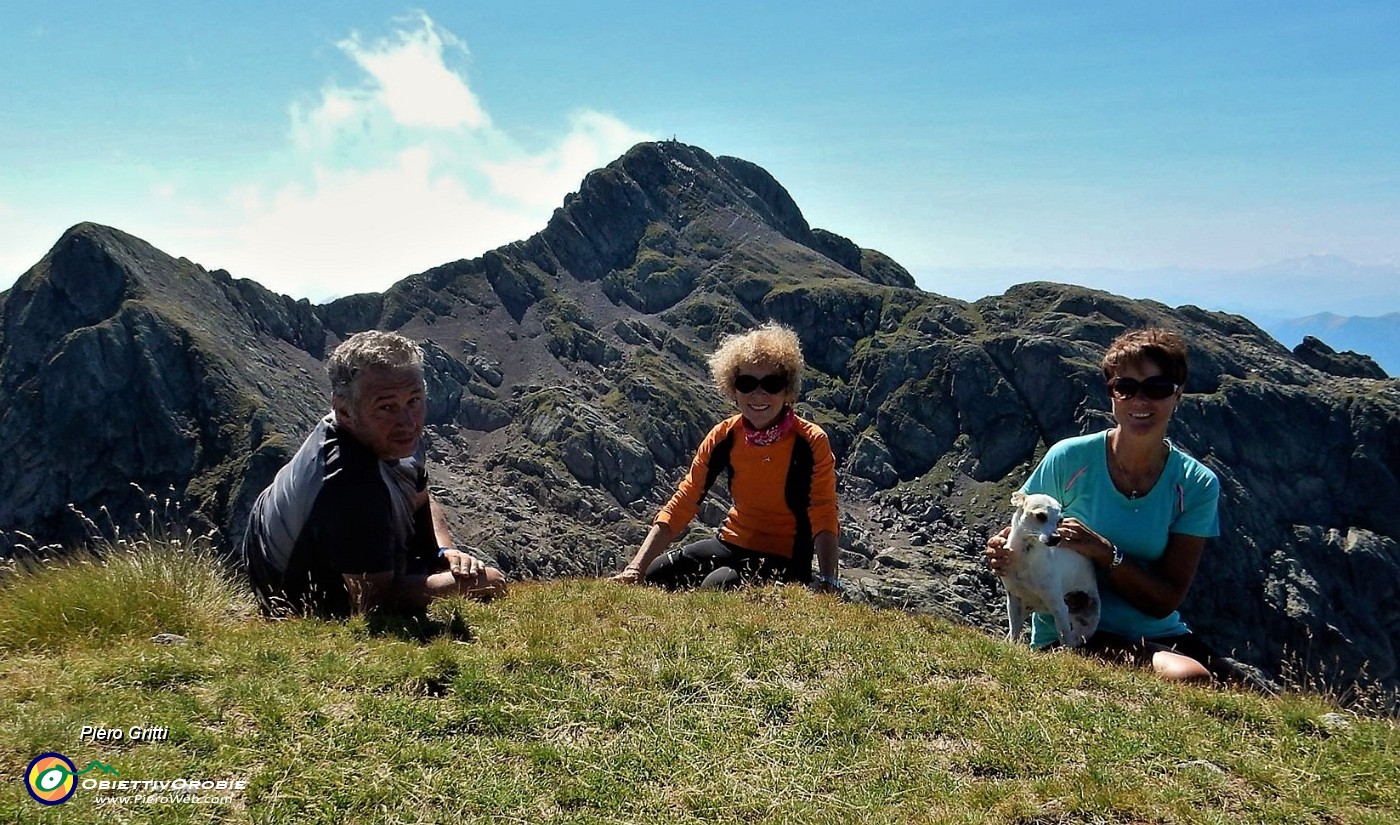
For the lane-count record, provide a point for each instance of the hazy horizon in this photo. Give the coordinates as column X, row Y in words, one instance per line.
column 1257, row 293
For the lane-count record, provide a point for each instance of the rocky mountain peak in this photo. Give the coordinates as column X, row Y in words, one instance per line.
column 674, row 183
column 121, row 365
column 83, row 279
column 670, row 184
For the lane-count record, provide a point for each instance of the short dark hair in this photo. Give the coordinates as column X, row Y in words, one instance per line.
column 1162, row 347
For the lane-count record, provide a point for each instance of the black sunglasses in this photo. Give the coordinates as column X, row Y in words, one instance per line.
column 771, row 384
column 1157, row 387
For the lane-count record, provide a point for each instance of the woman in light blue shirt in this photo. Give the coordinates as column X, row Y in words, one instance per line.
column 1140, row 509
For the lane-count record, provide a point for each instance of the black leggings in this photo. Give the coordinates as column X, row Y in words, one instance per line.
column 711, row 563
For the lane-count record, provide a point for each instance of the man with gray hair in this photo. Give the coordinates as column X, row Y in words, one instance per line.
column 349, row 524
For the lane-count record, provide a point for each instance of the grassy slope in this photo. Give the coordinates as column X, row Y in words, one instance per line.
column 580, row 701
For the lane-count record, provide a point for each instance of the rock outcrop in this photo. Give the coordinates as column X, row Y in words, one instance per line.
column 1318, row 355
column 568, row 390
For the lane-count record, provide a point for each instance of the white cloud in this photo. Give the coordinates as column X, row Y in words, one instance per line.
column 413, row 82
column 359, row 231
column 337, row 116
column 538, row 180
column 397, row 173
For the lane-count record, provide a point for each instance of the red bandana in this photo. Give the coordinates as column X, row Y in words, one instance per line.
column 772, row 433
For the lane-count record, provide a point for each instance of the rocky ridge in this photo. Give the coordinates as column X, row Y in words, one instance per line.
column 568, row 392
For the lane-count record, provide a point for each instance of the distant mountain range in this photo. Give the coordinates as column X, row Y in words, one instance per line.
column 1267, row 294
column 1378, row 336
column 1348, row 306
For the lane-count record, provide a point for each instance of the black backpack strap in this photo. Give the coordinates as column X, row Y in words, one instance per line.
column 719, row 462
column 797, row 491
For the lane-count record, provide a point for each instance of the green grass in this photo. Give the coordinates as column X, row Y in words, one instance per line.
column 581, row 701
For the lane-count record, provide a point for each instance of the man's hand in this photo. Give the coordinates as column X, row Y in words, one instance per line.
column 463, row 565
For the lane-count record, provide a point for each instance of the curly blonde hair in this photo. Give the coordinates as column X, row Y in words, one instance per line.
column 771, row 344
column 364, row 350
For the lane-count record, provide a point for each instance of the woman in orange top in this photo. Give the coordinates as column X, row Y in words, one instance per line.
column 782, row 478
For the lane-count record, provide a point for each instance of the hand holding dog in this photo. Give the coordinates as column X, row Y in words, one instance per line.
column 1077, row 536
column 999, row 556
column 1073, row 534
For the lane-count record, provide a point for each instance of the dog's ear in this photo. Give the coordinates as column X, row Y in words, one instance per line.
column 1018, row 498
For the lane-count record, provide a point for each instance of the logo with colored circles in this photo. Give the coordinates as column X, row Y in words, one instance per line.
column 52, row 777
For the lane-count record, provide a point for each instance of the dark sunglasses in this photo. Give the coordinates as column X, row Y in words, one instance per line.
column 771, row 384
column 1157, row 387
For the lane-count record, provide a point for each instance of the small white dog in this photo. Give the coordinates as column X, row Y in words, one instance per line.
column 1043, row 577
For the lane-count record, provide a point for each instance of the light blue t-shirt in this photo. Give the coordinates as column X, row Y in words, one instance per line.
column 1184, row 500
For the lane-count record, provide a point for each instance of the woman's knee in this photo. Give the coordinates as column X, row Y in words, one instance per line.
column 1175, row 667
column 721, row 578
column 660, row 565
column 679, row 567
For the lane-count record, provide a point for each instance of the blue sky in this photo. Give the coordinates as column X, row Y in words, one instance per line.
column 324, row 148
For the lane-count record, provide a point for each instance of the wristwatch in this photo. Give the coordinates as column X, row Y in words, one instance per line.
column 832, row 581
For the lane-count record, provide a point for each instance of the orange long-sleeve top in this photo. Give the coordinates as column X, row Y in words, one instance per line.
column 760, row 519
